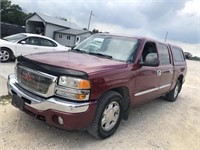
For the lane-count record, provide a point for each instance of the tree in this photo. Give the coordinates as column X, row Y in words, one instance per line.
column 62, row 18
column 5, row 4
column 95, row 31
column 12, row 13
column 85, row 29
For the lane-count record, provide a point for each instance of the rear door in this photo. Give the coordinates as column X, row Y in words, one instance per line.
column 47, row 45
column 167, row 68
column 180, row 66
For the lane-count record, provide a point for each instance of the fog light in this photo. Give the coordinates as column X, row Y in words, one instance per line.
column 60, row 120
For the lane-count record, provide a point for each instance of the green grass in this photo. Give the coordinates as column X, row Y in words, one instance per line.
column 5, row 99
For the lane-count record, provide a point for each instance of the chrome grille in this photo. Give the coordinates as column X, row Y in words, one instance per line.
column 35, row 81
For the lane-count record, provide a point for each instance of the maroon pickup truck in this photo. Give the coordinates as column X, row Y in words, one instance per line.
column 94, row 85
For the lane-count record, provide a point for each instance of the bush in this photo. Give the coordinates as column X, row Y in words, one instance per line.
column 196, row 58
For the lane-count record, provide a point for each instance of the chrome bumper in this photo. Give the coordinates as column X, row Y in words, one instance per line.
column 43, row 104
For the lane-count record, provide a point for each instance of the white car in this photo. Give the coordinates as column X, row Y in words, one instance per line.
column 26, row 43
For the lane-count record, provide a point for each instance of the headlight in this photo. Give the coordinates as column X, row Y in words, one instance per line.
column 73, row 88
column 75, row 83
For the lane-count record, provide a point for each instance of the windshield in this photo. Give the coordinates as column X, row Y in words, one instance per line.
column 14, row 38
column 118, row 48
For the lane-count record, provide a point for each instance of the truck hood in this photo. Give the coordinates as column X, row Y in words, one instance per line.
column 77, row 61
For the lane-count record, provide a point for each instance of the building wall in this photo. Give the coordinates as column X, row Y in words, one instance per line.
column 84, row 36
column 35, row 18
column 62, row 39
column 29, row 23
column 50, row 28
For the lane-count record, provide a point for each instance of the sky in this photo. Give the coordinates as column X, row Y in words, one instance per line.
column 180, row 19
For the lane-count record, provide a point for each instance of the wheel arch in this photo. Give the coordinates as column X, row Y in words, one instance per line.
column 180, row 78
column 124, row 92
column 4, row 47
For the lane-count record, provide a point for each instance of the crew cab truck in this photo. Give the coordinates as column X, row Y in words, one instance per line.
column 94, row 85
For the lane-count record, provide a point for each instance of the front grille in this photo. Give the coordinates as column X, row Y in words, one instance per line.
column 32, row 80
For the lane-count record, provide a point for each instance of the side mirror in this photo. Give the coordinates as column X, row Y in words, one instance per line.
column 23, row 42
column 151, row 60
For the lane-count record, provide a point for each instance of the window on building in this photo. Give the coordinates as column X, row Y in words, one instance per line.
column 164, row 54
column 68, row 37
column 60, row 36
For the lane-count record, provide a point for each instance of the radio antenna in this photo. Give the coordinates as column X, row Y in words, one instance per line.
column 166, row 36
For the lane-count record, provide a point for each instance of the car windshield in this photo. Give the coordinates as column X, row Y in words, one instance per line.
column 14, row 38
column 113, row 47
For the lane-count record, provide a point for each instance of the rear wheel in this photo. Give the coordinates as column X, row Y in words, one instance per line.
column 108, row 115
column 173, row 94
column 5, row 55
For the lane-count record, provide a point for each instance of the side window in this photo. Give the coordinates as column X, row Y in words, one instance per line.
column 163, row 54
column 178, row 54
column 150, row 47
column 45, row 42
column 32, row 41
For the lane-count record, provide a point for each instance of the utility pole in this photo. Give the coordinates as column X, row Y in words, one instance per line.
column 89, row 20
column 166, row 36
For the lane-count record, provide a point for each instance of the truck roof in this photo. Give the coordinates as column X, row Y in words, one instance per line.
column 138, row 37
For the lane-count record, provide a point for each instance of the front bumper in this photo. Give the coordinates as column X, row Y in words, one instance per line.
column 48, row 109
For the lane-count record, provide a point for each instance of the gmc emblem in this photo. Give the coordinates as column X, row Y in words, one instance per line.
column 26, row 76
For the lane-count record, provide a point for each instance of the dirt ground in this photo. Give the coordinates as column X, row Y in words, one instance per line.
column 158, row 124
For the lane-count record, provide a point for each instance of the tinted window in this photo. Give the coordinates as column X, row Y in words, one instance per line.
column 45, row 42
column 178, row 54
column 32, row 41
column 164, row 54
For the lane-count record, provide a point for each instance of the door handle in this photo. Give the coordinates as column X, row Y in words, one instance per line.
column 35, row 48
column 171, row 71
column 159, row 72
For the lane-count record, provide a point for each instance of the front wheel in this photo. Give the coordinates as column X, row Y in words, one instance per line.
column 5, row 55
column 173, row 94
column 108, row 115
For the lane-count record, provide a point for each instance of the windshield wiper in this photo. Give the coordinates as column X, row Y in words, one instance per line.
column 78, row 50
column 101, row 55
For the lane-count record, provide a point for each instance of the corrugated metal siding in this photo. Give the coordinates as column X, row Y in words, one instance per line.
column 64, row 40
column 58, row 21
column 35, row 18
column 50, row 28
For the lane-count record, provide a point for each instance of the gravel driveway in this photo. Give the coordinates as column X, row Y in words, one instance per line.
column 158, row 124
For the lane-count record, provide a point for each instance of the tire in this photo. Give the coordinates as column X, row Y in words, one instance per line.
column 108, row 115
column 173, row 94
column 5, row 55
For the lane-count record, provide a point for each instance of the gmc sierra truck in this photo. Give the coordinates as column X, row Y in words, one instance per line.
column 94, row 85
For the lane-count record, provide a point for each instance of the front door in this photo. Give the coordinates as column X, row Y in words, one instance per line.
column 147, row 78
column 28, row 46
